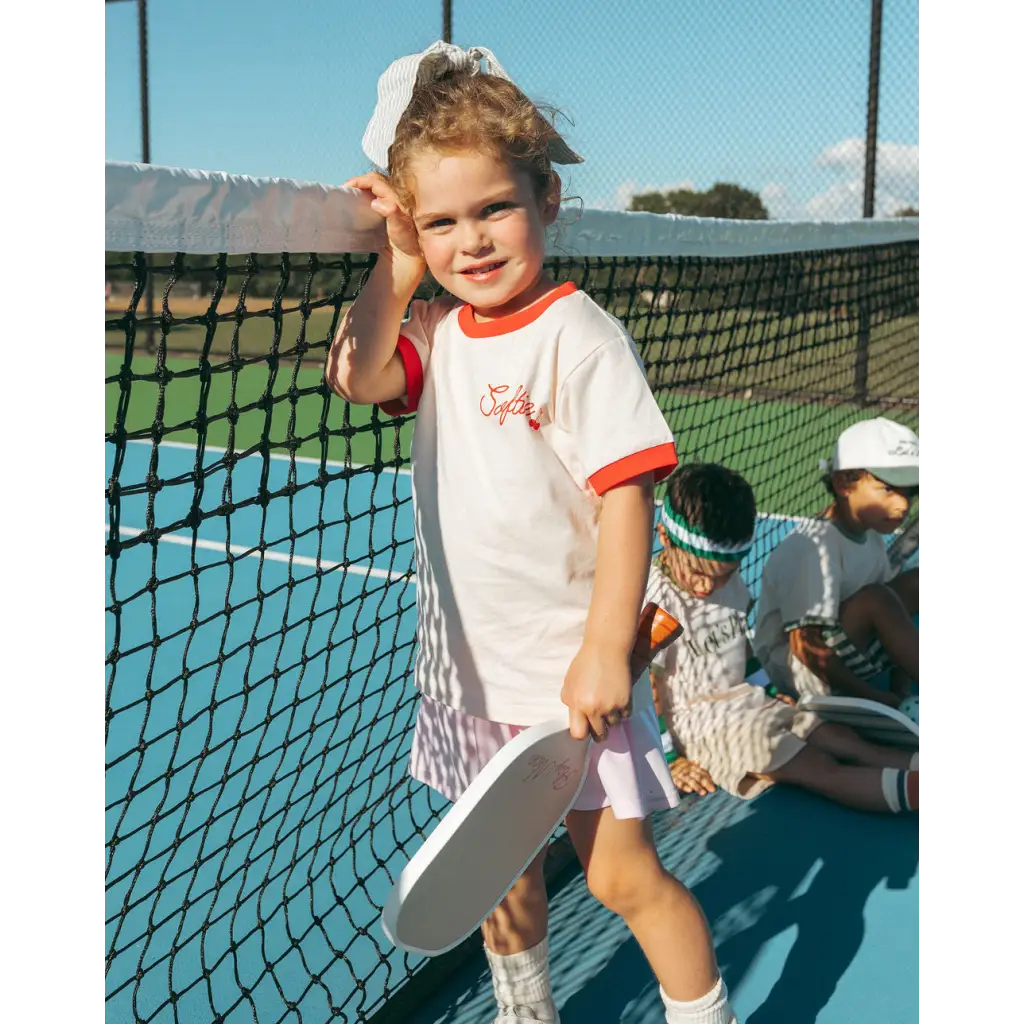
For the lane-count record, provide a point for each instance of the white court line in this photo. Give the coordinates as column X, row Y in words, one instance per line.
column 276, row 556
column 402, row 472
column 275, row 455
column 784, row 518
column 271, row 556
column 241, row 550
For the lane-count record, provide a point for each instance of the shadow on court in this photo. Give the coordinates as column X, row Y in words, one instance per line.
column 813, row 908
column 824, row 871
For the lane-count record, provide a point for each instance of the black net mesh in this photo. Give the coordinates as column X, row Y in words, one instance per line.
column 261, row 589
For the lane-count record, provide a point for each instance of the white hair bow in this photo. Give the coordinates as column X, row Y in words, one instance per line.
column 395, row 88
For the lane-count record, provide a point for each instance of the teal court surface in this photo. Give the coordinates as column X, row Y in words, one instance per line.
column 813, row 909
column 258, row 806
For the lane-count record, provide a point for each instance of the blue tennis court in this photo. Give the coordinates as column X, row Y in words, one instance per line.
column 814, row 911
column 258, row 804
column 256, row 782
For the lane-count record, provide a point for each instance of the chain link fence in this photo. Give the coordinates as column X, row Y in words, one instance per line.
column 769, row 97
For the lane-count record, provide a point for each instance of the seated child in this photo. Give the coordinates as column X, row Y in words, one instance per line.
column 719, row 718
column 833, row 613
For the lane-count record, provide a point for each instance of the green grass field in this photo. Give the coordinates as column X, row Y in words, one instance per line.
column 255, row 333
column 731, row 349
column 775, row 444
column 355, row 433
column 762, row 390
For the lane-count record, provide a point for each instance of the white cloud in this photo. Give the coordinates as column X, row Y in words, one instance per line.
column 896, row 185
column 894, row 160
column 845, row 155
column 779, row 203
column 896, row 181
column 840, row 202
column 619, row 200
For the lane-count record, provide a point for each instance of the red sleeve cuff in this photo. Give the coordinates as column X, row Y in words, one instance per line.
column 660, row 460
column 413, row 380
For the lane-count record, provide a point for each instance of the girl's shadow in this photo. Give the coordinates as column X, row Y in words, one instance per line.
column 791, row 859
column 850, row 854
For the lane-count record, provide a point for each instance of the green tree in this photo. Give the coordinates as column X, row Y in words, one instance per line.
column 907, row 211
column 721, row 200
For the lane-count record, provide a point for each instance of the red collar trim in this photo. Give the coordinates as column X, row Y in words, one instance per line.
column 472, row 328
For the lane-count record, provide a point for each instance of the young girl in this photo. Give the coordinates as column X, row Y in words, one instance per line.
column 716, row 713
column 536, row 450
column 833, row 612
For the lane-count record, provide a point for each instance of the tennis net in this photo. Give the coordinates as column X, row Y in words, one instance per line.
column 261, row 583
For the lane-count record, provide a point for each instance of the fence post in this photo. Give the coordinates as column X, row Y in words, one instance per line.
column 863, row 300
column 144, row 105
column 871, row 137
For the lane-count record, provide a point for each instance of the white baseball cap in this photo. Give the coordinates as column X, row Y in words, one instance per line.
column 885, row 449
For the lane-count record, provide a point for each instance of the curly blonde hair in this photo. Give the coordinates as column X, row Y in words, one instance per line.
column 472, row 112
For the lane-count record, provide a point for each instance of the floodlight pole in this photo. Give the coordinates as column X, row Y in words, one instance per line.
column 446, row 20
column 144, row 79
column 144, row 105
column 871, row 139
column 860, row 370
column 144, row 102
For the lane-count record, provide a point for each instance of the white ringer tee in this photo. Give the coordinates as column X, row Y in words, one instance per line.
column 522, row 424
column 806, row 579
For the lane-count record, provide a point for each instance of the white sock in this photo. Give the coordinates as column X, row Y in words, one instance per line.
column 712, row 1008
column 895, row 789
column 523, row 980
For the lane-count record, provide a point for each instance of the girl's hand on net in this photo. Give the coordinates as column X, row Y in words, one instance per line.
column 598, row 691
column 401, row 230
column 690, row 777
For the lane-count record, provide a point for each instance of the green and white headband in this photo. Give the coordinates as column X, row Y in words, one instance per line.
column 690, row 539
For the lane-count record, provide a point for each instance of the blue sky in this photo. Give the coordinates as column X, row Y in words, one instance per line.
column 770, row 95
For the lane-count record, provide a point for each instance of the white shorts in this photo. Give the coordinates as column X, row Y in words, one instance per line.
column 734, row 739
column 627, row 772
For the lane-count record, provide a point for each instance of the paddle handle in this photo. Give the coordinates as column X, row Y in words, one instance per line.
column 656, row 631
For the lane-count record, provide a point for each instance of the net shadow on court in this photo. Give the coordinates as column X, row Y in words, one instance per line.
column 813, row 909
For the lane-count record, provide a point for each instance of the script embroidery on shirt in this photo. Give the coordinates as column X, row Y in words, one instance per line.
column 495, row 404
